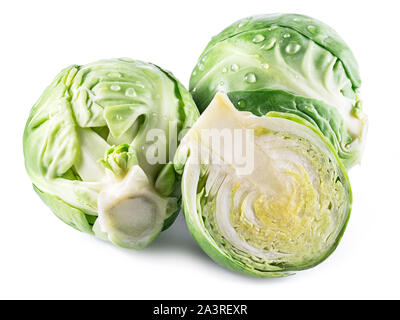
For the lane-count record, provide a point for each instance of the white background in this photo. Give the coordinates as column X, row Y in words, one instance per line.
column 40, row 257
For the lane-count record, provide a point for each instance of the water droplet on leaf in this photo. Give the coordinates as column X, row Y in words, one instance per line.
column 130, row 92
column 234, row 67
column 241, row 103
column 272, row 28
column 312, row 29
column 250, row 77
column 270, row 44
column 265, row 66
column 292, row 48
column 258, row 38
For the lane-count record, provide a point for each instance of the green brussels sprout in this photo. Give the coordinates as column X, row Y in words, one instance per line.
column 287, row 63
column 284, row 208
column 93, row 154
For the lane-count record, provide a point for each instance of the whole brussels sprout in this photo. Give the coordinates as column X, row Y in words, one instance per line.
column 88, row 154
column 288, row 63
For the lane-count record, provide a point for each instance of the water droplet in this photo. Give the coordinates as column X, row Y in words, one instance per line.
column 115, row 87
column 250, row 77
column 130, row 92
column 240, row 25
column 224, row 70
column 241, row 103
column 265, row 66
column 270, row 44
column 292, row 48
column 194, row 72
column 296, row 19
column 201, row 66
column 312, row 29
column 308, row 108
column 258, row 38
column 234, row 67
column 194, row 90
column 286, row 35
column 118, row 117
column 221, row 83
column 204, row 59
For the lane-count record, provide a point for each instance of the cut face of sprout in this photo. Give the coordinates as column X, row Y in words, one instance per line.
column 286, row 213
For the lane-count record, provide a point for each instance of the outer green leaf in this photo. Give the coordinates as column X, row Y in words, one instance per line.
column 51, row 133
column 311, row 28
column 291, row 53
column 66, row 213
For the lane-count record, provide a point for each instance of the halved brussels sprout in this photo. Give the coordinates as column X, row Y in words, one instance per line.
column 288, row 63
column 98, row 146
column 283, row 208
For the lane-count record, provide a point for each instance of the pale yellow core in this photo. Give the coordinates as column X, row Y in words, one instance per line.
column 299, row 218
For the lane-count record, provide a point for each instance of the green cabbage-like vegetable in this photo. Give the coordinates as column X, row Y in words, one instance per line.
column 287, row 63
column 92, row 148
column 287, row 213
